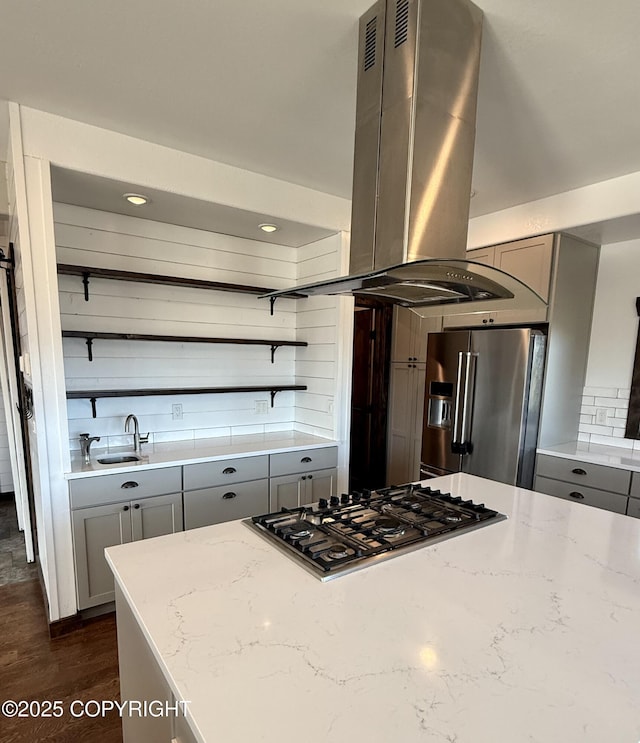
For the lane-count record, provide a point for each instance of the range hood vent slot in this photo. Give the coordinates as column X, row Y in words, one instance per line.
column 370, row 46
column 402, row 22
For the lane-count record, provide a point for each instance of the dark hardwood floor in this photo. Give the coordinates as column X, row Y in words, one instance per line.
column 82, row 665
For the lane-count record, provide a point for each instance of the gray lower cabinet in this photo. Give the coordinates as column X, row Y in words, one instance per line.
column 97, row 527
column 583, row 482
column 292, row 491
column 225, row 503
column 615, row 502
column 633, row 509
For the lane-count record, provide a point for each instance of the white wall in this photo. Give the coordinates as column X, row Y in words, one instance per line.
column 95, row 238
column 38, row 139
column 612, row 348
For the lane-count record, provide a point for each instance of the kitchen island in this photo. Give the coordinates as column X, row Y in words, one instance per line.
column 525, row 630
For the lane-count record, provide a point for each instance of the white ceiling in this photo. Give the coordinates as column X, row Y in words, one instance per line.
column 270, row 86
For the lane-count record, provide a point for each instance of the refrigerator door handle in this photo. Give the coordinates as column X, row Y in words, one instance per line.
column 460, row 443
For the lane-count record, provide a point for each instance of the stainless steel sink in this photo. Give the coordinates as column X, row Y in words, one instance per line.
column 118, row 459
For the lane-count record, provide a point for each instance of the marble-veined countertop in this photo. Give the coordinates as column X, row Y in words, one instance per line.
column 192, row 451
column 527, row 630
column 611, row 456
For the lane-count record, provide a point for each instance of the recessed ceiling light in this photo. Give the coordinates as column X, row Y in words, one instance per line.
column 136, row 199
column 268, row 227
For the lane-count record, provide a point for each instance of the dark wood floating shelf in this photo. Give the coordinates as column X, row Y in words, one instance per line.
column 90, row 336
column 151, row 278
column 94, row 395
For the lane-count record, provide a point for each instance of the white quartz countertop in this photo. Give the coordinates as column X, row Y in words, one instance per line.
column 612, row 456
column 527, row 630
column 198, row 450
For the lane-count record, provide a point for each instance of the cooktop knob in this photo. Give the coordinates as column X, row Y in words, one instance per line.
column 356, row 495
column 344, row 498
column 366, row 493
column 322, row 503
column 335, row 501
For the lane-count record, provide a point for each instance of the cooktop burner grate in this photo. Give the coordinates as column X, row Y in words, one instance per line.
column 335, row 537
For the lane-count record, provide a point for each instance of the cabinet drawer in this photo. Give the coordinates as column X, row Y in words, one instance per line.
column 90, row 491
column 584, row 473
column 635, row 485
column 588, row 496
column 225, row 503
column 291, row 462
column 225, row 472
column 633, row 509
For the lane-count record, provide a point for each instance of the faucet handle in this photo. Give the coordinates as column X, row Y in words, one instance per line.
column 83, row 436
column 144, row 439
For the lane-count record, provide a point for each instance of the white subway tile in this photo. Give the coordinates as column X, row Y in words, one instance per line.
column 588, row 410
column 621, row 413
column 586, row 437
column 601, row 391
column 588, row 399
column 586, row 419
column 617, row 441
column 624, row 393
column 599, row 430
column 607, row 402
column 160, row 437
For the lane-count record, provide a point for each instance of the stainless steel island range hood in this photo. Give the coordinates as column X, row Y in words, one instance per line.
column 418, row 64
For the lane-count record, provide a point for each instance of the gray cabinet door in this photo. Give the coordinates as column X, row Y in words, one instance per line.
column 94, row 529
column 321, row 484
column 285, row 492
column 215, row 505
column 156, row 516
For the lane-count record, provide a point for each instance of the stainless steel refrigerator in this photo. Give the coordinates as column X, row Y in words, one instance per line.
column 482, row 403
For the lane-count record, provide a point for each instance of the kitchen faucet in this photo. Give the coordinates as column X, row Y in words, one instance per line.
column 85, row 445
column 137, row 439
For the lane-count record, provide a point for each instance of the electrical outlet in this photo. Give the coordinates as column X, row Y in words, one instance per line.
column 601, row 416
column 261, row 407
column 176, row 412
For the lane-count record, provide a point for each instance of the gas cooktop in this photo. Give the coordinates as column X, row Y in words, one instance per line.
column 350, row 532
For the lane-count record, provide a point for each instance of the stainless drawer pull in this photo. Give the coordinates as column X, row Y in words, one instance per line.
column 305, row 460
column 576, row 495
column 229, row 470
column 129, row 484
column 229, row 496
column 579, row 471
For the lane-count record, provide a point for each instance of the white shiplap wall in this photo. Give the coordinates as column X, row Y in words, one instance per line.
column 317, row 321
column 90, row 237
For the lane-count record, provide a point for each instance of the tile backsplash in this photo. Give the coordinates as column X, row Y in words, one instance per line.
column 603, row 417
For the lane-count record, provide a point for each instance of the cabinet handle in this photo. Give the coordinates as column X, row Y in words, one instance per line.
column 229, row 470
column 136, row 506
column 305, row 460
column 304, row 477
column 125, row 508
column 229, row 496
column 485, row 321
column 310, row 477
column 129, row 484
column 576, row 495
column 490, row 319
column 579, row 471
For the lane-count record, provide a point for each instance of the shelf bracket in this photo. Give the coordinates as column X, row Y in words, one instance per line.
column 90, row 350
column 272, row 301
column 274, row 348
column 85, row 281
column 273, row 394
column 93, row 407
